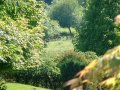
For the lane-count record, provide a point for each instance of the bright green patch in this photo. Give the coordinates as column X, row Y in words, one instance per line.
column 55, row 48
column 60, row 45
column 16, row 86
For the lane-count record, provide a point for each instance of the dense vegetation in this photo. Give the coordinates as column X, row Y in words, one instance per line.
column 96, row 31
column 65, row 12
column 101, row 74
column 44, row 43
column 21, row 26
column 21, row 33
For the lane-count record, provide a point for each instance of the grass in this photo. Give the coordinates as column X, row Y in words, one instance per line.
column 16, row 86
column 56, row 48
column 60, row 45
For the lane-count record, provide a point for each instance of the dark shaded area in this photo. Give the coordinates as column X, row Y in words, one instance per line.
column 48, row 1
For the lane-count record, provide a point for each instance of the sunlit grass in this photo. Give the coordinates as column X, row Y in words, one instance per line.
column 56, row 48
column 60, row 45
column 16, row 86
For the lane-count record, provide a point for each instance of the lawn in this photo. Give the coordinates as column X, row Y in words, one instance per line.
column 16, row 86
column 60, row 45
column 56, row 48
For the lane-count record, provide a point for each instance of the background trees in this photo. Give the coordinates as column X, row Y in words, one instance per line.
column 64, row 11
column 48, row 1
column 96, row 32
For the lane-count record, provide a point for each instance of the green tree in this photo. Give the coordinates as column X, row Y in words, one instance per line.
column 21, row 26
column 83, row 2
column 97, row 30
column 64, row 11
column 48, row 1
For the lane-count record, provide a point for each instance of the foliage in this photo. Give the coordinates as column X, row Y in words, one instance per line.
column 117, row 32
column 21, row 26
column 65, row 33
column 48, row 1
column 101, row 74
column 71, row 62
column 65, row 12
column 96, row 31
column 52, row 52
column 2, row 84
column 47, row 75
column 52, row 31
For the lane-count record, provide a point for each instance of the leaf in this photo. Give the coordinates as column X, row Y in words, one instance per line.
column 71, row 82
column 109, row 81
column 87, row 69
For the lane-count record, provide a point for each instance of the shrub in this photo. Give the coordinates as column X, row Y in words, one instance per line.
column 53, row 71
column 71, row 62
column 2, row 84
column 52, row 31
column 46, row 75
column 21, row 27
column 51, row 75
column 101, row 74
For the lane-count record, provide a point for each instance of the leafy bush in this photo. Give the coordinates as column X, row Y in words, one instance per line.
column 53, row 71
column 47, row 75
column 2, row 84
column 21, row 27
column 101, row 74
column 71, row 62
column 51, row 75
column 52, row 31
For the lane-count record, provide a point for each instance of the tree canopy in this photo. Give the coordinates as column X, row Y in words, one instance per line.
column 21, row 26
column 64, row 11
column 97, row 29
column 48, row 1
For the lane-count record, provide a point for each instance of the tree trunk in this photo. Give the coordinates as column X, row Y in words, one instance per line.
column 70, row 31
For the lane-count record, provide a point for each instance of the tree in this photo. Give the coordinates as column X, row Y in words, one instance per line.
column 97, row 31
column 48, row 1
column 21, row 26
column 64, row 11
column 83, row 2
